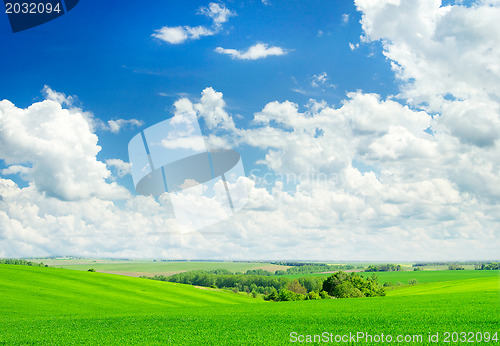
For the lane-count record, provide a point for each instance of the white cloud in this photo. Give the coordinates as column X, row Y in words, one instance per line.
column 212, row 109
column 122, row 168
column 446, row 57
column 58, row 97
column 116, row 125
column 179, row 34
column 419, row 179
column 60, row 148
column 257, row 51
column 410, row 208
column 15, row 169
column 320, row 80
column 218, row 13
column 345, row 18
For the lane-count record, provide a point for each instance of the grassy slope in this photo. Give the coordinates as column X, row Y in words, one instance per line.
column 56, row 306
column 484, row 285
column 35, row 291
column 421, row 276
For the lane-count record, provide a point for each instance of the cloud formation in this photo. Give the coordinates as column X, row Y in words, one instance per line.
column 411, row 177
column 324, row 203
column 116, row 125
column 257, row 51
column 447, row 58
column 58, row 146
column 218, row 13
column 122, row 168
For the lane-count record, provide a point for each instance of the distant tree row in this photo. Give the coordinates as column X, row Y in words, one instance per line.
column 488, row 266
column 384, row 268
column 313, row 268
column 295, row 264
column 455, row 266
column 426, row 264
column 21, row 262
column 303, row 269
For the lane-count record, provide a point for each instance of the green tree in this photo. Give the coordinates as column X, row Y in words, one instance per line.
column 333, row 281
column 296, row 287
column 343, row 285
column 347, row 290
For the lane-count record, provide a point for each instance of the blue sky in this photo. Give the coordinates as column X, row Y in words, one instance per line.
column 395, row 102
column 110, row 61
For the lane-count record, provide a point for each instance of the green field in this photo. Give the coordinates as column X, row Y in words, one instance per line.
column 151, row 267
column 57, row 306
column 420, row 276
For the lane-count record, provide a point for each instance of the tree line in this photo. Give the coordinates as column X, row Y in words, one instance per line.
column 21, row 262
column 384, row 268
column 314, row 268
column 488, row 266
column 279, row 288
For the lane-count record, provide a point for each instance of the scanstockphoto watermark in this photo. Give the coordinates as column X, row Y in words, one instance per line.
column 363, row 337
column 312, row 176
column 356, row 337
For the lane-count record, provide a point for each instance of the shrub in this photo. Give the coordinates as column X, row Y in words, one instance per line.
column 324, row 295
column 347, row 290
column 343, row 285
column 313, row 295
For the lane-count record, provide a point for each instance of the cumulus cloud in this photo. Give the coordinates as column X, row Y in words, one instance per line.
column 417, row 187
column 411, row 205
column 257, row 51
column 122, row 168
column 447, row 58
column 116, row 125
column 218, row 13
column 179, row 34
column 58, row 97
column 59, row 146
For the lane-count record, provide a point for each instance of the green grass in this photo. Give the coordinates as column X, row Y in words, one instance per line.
column 34, row 291
column 420, row 276
column 149, row 267
column 486, row 284
column 55, row 306
column 434, row 276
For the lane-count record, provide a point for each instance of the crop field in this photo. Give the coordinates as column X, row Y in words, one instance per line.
column 57, row 306
column 151, row 268
column 420, row 276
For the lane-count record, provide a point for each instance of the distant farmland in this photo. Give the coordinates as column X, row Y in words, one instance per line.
column 150, row 267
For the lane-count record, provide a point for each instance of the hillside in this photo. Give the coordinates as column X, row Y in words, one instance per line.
column 49, row 306
column 38, row 291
